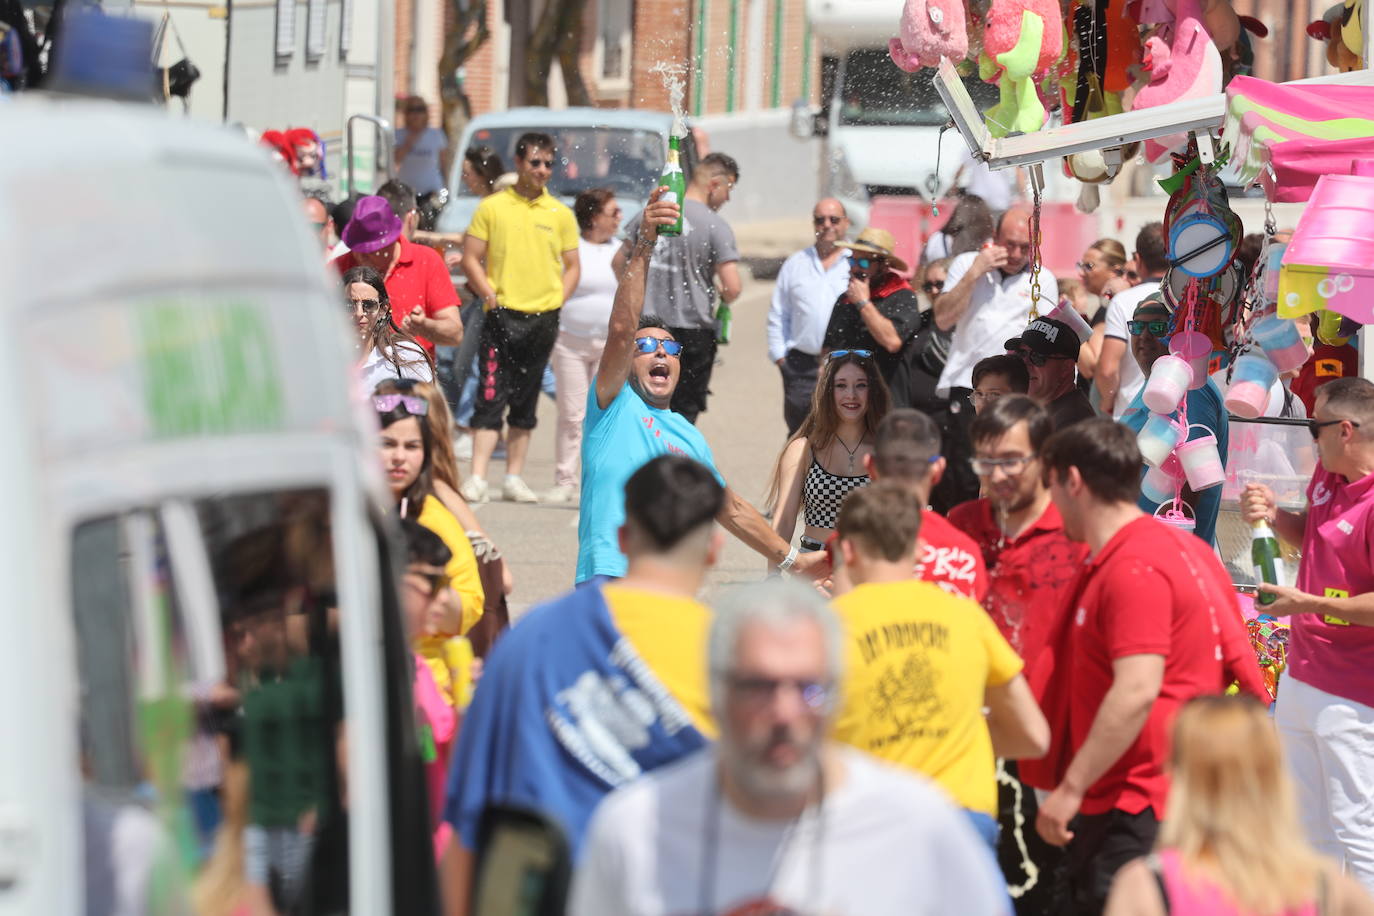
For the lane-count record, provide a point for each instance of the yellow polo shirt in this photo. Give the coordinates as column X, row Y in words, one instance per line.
column 525, row 244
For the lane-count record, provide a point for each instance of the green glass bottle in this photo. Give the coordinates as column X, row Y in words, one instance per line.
column 675, row 182
column 723, row 319
column 1265, row 555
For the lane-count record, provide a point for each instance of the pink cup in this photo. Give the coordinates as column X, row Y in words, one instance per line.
column 1170, row 378
column 1196, row 349
column 1157, row 439
column 1201, row 461
column 1251, row 379
column 1158, row 485
column 1282, row 342
column 1170, row 515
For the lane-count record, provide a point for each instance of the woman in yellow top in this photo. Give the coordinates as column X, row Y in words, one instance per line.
column 407, row 459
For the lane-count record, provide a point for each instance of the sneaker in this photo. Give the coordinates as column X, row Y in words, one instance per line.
column 516, row 490
column 474, row 490
column 561, row 495
column 462, row 446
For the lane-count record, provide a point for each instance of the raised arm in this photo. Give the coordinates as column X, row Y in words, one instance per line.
column 951, row 305
column 628, row 304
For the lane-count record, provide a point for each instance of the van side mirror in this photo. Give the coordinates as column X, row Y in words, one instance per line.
column 806, row 121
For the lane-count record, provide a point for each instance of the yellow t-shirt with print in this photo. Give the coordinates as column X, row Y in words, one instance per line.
column 669, row 635
column 525, row 244
column 917, row 662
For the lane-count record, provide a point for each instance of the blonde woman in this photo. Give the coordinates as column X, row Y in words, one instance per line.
column 1231, row 844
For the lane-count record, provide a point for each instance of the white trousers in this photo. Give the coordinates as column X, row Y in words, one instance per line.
column 1329, row 742
column 574, row 364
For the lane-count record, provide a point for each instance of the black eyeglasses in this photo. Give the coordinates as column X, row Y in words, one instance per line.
column 760, row 690
column 840, row 354
column 367, row 305
column 651, row 345
column 1315, row 426
column 1156, row 328
column 1039, row 359
column 821, row 220
column 933, row 288
column 1012, row 467
column 540, row 163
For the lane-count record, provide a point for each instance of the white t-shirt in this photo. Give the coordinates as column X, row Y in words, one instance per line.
column 588, row 309
column 885, row 843
column 998, row 310
column 376, row 368
column 1119, row 311
column 420, row 168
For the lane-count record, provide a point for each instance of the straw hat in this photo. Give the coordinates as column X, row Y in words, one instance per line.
column 878, row 242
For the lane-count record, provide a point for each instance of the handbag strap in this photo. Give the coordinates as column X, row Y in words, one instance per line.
column 1157, row 869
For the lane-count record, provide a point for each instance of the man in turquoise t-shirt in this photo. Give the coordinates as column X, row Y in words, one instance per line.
column 629, row 422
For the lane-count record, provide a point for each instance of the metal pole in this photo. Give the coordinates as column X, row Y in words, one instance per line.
column 386, row 54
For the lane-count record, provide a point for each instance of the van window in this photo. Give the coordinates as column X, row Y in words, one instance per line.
column 627, row 161
column 212, row 721
column 877, row 93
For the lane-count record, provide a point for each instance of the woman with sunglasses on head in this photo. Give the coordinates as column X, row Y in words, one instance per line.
column 387, row 352
column 824, row 460
column 407, row 451
column 1101, row 273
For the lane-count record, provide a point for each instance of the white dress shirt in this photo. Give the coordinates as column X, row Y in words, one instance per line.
column 803, row 296
column 998, row 310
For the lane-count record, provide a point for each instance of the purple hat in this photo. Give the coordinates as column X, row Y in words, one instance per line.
column 373, row 226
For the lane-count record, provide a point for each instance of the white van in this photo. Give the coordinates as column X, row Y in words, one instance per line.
column 201, row 659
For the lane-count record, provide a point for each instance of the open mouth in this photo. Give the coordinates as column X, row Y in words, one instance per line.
column 659, row 371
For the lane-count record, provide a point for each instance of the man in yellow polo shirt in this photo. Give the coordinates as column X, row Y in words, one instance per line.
column 921, row 663
column 520, row 255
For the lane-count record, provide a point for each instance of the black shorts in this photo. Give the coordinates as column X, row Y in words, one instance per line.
column 1101, row 844
column 511, row 358
column 698, row 358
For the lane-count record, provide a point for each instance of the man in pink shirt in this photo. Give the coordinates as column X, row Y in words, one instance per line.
column 1326, row 700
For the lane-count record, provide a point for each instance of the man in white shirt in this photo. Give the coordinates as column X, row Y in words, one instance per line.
column 807, row 286
column 775, row 818
column 1118, row 378
column 987, row 298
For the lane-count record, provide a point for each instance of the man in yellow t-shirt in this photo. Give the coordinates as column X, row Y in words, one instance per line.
column 520, row 256
column 921, row 664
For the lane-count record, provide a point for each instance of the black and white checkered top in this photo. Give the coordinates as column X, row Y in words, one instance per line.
column 822, row 493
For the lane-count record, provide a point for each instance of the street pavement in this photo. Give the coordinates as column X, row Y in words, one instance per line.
column 743, row 424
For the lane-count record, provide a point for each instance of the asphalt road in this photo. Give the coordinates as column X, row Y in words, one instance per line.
column 743, row 423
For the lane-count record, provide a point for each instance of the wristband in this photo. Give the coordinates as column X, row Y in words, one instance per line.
column 791, row 558
column 643, row 247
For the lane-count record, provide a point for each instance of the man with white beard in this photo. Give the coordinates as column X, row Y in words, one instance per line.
column 775, row 818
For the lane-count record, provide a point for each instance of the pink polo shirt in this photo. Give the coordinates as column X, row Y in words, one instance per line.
column 1337, row 560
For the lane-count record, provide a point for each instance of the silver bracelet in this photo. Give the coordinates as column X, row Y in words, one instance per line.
column 791, row 558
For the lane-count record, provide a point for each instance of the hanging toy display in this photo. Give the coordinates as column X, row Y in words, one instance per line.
column 1183, row 63
column 930, row 30
column 1022, row 41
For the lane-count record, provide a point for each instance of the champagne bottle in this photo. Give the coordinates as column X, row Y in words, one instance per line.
column 675, row 182
column 723, row 318
column 1265, row 555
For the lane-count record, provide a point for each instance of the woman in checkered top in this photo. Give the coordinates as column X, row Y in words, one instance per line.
column 827, row 457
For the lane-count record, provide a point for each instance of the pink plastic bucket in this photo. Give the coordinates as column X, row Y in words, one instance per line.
column 1157, row 439
column 1251, row 380
column 1196, row 349
column 1170, row 515
column 1170, row 378
column 1282, row 342
column 1201, row 461
column 1158, row 485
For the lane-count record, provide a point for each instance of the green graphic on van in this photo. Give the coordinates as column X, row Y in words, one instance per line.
column 208, row 368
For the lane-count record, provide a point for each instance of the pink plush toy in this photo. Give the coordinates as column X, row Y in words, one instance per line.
column 1188, row 67
column 931, row 29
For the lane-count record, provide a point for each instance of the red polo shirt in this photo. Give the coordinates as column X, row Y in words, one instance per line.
column 1029, row 575
column 1152, row 590
column 950, row 559
column 419, row 277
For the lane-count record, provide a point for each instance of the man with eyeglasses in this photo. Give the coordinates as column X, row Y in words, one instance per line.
column 1325, row 708
column 1150, row 328
column 630, row 420
column 775, row 817
column 996, row 377
column 922, row 664
column 1118, row 378
column 805, row 292
column 878, row 311
column 1049, row 349
column 520, row 255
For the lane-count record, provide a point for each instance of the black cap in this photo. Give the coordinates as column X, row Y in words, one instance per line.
column 1047, row 337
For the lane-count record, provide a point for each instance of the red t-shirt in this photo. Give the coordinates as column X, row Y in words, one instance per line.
column 1028, row 576
column 419, row 277
column 1148, row 592
column 950, row 559
column 1326, row 363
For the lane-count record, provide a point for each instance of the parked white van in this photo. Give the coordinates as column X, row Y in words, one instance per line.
column 201, row 659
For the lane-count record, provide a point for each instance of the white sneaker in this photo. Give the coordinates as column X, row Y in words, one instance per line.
column 516, row 490
column 474, row 490
column 462, row 446
column 561, row 495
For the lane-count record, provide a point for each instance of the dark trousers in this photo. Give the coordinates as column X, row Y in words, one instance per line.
column 799, row 373
column 959, row 484
column 1030, row 865
column 1101, row 844
column 697, row 360
column 515, row 349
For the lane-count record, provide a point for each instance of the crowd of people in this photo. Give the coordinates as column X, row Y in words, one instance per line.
column 980, row 675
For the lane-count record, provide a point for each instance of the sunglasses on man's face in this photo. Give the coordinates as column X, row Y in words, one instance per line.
column 651, row 345
column 933, row 287
column 1156, row 328
column 822, row 220
column 1038, row 359
column 540, row 163
column 1315, row 426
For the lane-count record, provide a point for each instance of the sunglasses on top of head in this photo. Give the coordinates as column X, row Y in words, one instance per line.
column 386, row 403
column 651, row 345
column 841, row 354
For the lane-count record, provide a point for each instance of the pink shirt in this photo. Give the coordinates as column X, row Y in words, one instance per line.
column 1337, row 560
column 1188, row 897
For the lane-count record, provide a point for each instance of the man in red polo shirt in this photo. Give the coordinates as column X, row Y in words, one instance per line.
column 1151, row 624
column 906, row 449
column 423, row 300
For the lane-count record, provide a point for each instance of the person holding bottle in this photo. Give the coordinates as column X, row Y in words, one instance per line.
column 1325, row 710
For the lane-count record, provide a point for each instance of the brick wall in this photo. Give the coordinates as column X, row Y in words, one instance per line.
column 662, row 31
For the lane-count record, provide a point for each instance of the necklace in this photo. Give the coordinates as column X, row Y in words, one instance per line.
column 851, row 451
